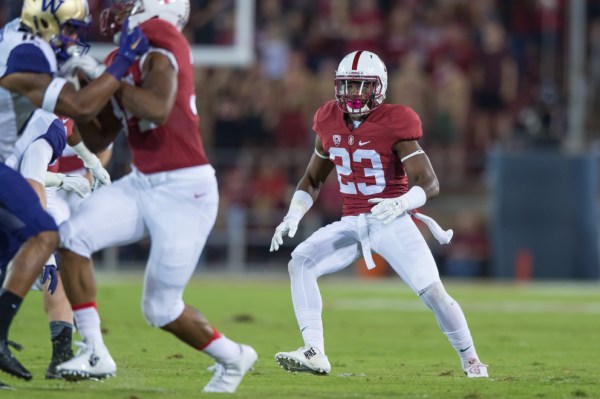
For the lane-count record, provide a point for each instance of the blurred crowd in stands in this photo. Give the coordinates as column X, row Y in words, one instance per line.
column 480, row 73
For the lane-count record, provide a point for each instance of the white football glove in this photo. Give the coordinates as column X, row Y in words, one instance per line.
column 388, row 209
column 100, row 177
column 91, row 67
column 289, row 226
column 76, row 183
column 93, row 164
column 300, row 204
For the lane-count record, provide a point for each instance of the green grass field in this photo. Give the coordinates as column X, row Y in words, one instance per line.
column 541, row 341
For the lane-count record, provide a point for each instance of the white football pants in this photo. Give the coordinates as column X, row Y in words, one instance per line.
column 335, row 246
column 177, row 209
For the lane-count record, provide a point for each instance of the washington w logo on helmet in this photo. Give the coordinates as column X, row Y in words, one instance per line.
column 53, row 5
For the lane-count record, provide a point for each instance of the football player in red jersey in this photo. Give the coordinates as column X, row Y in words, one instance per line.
column 373, row 148
column 170, row 195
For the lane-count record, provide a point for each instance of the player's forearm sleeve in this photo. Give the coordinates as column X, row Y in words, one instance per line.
column 90, row 160
column 414, row 198
column 35, row 161
column 301, row 203
column 53, row 179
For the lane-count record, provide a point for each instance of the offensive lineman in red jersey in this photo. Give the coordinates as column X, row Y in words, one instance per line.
column 171, row 195
column 373, row 147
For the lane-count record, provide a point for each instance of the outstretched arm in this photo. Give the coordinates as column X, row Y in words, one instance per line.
column 306, row 193
column 80, row 105
column 55, row 94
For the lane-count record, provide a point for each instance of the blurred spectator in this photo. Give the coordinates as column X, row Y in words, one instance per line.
column 451, row 105
column 398, row 37
column 594, row 78
column 410, row 85
column 365, row 27
column 267, row 187
column 494, row 87
column 273, row 51
column 468, row 254
column 295, row 105
column 211, row 22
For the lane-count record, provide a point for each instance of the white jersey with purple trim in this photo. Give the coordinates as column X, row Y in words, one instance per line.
column 41, row 125
column 20, row 51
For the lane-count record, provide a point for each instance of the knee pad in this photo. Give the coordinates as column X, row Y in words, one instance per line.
column 435, row 296
column 301, row 264
column 160, row 308
column 305, row 250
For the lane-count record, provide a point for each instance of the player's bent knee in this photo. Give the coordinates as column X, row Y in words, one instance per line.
column 301, row 257
column 435, row 295
column 298, row 263
column 305, row 250
column 74, row 240
column 159, row 313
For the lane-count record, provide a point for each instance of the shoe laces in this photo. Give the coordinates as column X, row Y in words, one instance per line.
column 82, row 347
column 14, row 345
column 217, row 369
column 219, row 372
column 475, row 365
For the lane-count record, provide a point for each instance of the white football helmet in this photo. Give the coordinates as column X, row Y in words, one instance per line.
column 57, row 21
column 176, row 12
column 360, row 83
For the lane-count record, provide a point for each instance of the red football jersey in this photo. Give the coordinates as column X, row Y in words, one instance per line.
column 177, row 143
column 365, row 161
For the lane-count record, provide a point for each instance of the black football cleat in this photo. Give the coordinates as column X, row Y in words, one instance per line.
column 9, row 363
column 61, row 352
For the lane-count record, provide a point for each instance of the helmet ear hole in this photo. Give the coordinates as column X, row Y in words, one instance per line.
column 44, row 23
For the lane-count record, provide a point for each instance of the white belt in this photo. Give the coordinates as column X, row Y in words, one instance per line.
column 363, row 236
column 441, row 235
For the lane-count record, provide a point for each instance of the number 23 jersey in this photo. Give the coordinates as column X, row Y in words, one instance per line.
column 365, row 161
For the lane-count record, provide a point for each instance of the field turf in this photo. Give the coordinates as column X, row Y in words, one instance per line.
column 540, row 340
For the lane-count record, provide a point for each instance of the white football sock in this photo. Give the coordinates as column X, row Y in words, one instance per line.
column 88, row 324
column 451, row 320
column 311, row 327
column 223, row 349
column 307, row 301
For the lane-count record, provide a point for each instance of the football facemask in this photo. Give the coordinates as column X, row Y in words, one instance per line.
column 357, row 96
column 61, row 23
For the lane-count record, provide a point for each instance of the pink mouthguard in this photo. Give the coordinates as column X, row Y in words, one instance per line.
column 355, row 104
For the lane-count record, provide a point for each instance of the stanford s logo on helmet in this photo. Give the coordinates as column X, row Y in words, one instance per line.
column 176, row 12
column 58, row 22
column 360, row 83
